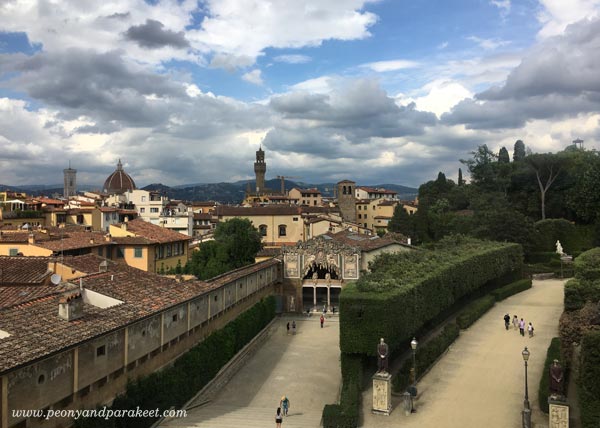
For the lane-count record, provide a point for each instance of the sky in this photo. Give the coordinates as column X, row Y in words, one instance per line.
column 376, row 91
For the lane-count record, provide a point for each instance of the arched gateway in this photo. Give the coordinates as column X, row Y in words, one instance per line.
column 315, row 272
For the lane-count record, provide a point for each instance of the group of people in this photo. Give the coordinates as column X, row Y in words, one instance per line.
column 293, row 327
column 520, row 324
column 282, row 410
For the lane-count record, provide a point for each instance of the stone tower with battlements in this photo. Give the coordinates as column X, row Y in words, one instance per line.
column 260, row 168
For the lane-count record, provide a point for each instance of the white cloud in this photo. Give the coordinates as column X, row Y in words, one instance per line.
column 318, row 85
column 293, row 59
column 392, row 65
column 503, row 5
column 442, row 96
column 442, row 45
column 488, row 44
column 253, row 76
column 557, row 14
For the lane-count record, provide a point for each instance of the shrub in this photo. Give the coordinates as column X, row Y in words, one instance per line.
column 406, row 290
column 510, row 289
column 426, row 356
column 574, row 295
column 346, row 414
column 587, row 265
column 474, row 311
column 589, row 373
column 176, row 384
column 552, row 354
column 574, row 238
column 541, row 257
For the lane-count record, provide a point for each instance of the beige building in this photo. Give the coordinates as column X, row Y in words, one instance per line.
column 80, row 343
column 365, row 192
column 309, row 197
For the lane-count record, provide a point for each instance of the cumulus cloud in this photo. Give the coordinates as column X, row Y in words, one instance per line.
column 392, row 65
column 152, row 35
column 253, row 76
column 556, row 15
column 293, row 59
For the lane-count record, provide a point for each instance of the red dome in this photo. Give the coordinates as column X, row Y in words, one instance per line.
column 119, row 181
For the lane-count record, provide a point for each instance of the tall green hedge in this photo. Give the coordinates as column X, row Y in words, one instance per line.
column 511, row 289
column 587, row 265
column 552, row 354
column 474, row 311
column 425, row 356
column 405, row 290
column 176, row 384
column 346, row 414
column 585, row 287
column 589, row 374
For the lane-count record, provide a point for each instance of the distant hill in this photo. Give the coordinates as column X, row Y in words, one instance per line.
column 226, row 193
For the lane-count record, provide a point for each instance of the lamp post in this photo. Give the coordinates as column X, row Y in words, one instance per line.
column 526, row 407
column 413, row 345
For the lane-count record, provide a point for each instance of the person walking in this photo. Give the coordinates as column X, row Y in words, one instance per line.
column 530, row 330
column 515, row 322
column 288, row 328
column 522, row 327
column 285, row 405
column 506, row 321
column 293, row 328
column 322, row 320
column 278, row 418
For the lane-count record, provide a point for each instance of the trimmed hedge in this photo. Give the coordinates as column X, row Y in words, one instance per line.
column 406, row 290
column 588, row 386
column 574, row 238
column 474, row 311
column 511, row 289
column 587, row 265
column 426, row 356
column 544, row 388
column 585, row 287
column 176, row 384
column 541, row 257
column 346, row 414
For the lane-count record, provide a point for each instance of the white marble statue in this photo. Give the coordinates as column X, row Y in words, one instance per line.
column 559, row 248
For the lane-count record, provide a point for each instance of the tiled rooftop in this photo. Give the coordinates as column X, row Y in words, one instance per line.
column 23, row 270
column 154, row 233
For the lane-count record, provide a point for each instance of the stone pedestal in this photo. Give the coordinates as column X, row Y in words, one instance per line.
column 382, row 393
column 559, row 413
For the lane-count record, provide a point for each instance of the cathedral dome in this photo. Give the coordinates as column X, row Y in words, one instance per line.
column 119, row 181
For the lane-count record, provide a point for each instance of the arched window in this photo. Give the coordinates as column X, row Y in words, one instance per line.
column 282, row 230
column 344, row 190
column 262, row 229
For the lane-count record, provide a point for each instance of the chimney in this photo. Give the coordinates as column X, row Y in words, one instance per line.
column 107, row 237
column 91, row 240
column 31, row 239
column 70, row 306
column 103, row 266
column 124, row 225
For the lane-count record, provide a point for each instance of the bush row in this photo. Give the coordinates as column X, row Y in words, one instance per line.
column 406, row 290
column 510, row 289
column 176, row 384
column 346, row 414
column 425, row 356
column 589, row 373
column 552, row 354
column 474, row 311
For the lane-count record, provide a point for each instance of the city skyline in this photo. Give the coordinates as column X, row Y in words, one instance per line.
column 377, row 91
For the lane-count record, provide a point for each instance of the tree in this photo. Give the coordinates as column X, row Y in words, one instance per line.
column 583, row 196
column 503, row 156
column 236, row 244
column 519, row 151
column 401, row 222
column 547, row 168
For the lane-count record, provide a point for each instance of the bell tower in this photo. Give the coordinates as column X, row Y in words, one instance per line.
column 70, row 182
column 260, row 168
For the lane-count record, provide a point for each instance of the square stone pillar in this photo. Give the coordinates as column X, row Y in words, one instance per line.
column 382, row 393
column 558, row 414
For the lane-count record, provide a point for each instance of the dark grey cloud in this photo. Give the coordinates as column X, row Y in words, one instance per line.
column 100, row 86
column 558, row 78
column 152, row 35
column 124, row 15
column 329, row 124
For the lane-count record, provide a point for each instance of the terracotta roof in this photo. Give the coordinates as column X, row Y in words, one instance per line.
column 241, row 272
column 387, row 203
column 225, row 210
column 23, row 237
column 50, row 201
column 152, row 232
column 108, row 209
column 383, row 217
column 202, row 216
column 376, row 190
column 73, row 240
column 119, row 181
column 132, row 240
column 23, row 270
column 12, row 295
column 269, row 252
column 89, row 263
column 361, row 241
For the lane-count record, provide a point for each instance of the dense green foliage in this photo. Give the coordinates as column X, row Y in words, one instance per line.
column 589, row 374
column 426, row 355
column 511, row 289
column 587, row 265
column 585, row 287
column 176, row 384
column 406, row 290
column 236, row 244
column 346, row 414
column 474, row 311
column 544, row 388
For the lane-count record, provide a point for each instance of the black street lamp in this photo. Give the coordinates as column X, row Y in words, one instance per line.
column 413, row 345
column 526, row 406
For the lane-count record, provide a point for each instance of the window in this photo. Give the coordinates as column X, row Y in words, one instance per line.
column 101, row 251
column 262, row 229
column 107, row 217
column 154, row 210
column 143, row 199
column 295, row 218
column 100, row 351
column 41, row 379
column 137, row 252
column 142, row 210
column 360, row 207
column 360, row 216
column 365, row 216
column 175, row 317
column 13, row 251
column 120, row 253
column 282, row 230
column 169, row 251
